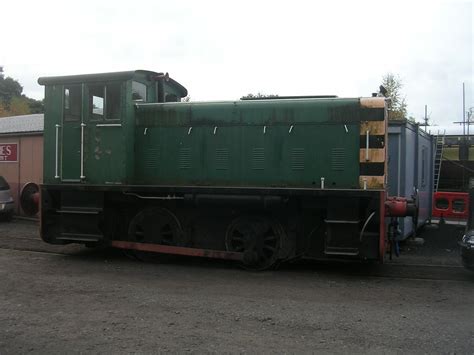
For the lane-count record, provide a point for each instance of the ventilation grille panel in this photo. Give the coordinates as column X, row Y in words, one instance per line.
column 258, row 158
column 297, row 159
column 222, row 159
column 185, row 158
column 338, row 156
column 151, row 158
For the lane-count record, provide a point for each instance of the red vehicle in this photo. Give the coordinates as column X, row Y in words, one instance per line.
column 451, row 206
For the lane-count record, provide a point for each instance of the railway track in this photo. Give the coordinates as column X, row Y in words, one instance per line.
column 395, row 271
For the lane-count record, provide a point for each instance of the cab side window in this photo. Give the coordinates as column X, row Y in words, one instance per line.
column 96, row 101
column 138, row 91
column 104, row 101
column 112, row 102
column 72, row 102
column 171, row 98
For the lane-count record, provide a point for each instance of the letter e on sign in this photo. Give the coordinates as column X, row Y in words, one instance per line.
column 8, row 152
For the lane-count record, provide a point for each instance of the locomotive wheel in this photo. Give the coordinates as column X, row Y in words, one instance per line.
column 258, row 237
column 155, row 225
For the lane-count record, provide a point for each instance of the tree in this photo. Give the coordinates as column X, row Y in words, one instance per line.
column 397, row 108
column 19, row 106
column 9, row 88
column 13, row 102
column 35, row 106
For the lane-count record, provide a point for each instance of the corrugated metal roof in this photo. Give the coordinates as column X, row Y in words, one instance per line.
column 22, row 124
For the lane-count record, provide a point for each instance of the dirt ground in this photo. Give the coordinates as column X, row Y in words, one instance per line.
column 76, row 300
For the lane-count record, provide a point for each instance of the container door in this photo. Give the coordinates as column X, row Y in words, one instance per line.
column 71, row 134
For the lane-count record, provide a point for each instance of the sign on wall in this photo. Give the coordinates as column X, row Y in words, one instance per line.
column 8, row 152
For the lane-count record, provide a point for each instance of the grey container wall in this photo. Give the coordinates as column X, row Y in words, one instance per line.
column 411, row 166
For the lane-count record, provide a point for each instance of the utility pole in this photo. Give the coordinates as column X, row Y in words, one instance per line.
column 464, row 144
column 425, row 119
column 464, row 122
column 464, row 111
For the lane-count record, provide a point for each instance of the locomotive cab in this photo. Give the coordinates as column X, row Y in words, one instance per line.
column 89, row 123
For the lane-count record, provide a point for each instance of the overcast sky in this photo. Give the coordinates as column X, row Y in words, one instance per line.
column 226, row 49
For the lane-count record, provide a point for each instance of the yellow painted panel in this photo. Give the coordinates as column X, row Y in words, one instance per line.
column 374, row 127
column 375, row 155
column 373, row 182
column 372, row 102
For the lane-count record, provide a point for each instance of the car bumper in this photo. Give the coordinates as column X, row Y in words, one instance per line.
column 6, row 207
column 467, row 256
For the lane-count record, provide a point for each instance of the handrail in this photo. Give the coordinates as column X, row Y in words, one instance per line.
column 56, row 166
column 83, row 125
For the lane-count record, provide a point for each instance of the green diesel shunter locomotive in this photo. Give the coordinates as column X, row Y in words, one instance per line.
column 127, row 164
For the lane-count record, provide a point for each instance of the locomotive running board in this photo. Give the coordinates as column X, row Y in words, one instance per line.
column 166, row 249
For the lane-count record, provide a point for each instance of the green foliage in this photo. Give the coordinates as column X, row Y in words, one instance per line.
column 36, row 106
column 398, row 106
column 12, row 102
column 9, row 88
column 3, row 111
column 19, row 106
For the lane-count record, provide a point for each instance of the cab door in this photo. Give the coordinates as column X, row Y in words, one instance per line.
column 71, row 134
column 105, row 141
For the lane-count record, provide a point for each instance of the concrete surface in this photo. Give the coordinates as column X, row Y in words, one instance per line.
column 74, row 300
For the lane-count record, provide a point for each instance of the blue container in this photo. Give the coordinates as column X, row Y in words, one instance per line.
column 411, row 168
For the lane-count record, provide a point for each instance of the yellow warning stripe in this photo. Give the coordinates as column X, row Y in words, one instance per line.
column 376, row 155
column 372, row 182
column 375, row 128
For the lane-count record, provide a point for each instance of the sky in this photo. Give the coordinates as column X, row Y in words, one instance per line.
column 222, row 50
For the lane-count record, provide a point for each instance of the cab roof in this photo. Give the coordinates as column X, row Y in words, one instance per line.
column 120, row 76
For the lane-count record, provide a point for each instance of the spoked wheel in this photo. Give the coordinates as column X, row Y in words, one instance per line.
column 154, row 225
column 258, row 237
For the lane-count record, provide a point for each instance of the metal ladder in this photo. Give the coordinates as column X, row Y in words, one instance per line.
column 438, row 158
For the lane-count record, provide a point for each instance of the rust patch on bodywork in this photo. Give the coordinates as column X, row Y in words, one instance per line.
column 372, row 102
column 372, row 182
column 167, row 249
column 376, row 155
column 374, row 127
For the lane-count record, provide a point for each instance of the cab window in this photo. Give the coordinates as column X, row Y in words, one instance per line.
column 104, row 101
column 72, row 102
column 112, row 102
column 138, row 91
column 171, row 98
column 96, row 101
